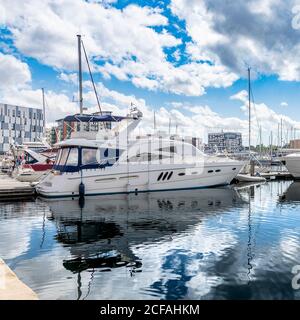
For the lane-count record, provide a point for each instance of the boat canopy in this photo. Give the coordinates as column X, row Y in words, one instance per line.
column 93, row 118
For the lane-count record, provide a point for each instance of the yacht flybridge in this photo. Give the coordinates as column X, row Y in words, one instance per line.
column 112, row 162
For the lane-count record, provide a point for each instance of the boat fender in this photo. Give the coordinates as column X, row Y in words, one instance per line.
column 81, row 189
column 136, row 191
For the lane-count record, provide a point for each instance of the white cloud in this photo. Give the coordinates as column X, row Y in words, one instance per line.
column 176, row 104
column 203, row 119
column 13, row 72
column 262, row 115
column 124, row 42
column 69, row 77
column 240, row 96
column 176, row 55
column 284, row 104
column 264, row 7
column 16, row 89
column 241, row 33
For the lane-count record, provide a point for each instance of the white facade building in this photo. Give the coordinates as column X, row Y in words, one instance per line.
column 19, row 124
column 225, row 141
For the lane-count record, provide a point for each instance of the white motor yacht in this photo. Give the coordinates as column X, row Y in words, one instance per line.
column 114, row 163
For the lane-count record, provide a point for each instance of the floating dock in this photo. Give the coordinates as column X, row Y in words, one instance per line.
column 12, row 189
column 11, row 288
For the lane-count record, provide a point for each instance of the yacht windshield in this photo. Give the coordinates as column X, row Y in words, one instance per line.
column 67, row 159
column 64, row 156
column 73, row 157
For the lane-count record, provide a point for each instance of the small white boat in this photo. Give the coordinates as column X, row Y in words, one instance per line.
column 249, row 178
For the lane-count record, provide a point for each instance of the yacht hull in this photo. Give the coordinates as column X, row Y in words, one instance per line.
column 118, row 180
column 292, row 163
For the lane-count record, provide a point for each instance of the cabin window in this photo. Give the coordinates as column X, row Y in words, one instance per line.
column 165, row 175
column 171, row 149
column 160, row 176
column 29, row 159
column 170, row 175
column 73, row 157
column 148, row 157
column 63, row 156
column 89, row 156
column 58, row 156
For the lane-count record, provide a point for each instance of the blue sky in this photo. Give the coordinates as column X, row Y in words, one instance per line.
column 184, row 59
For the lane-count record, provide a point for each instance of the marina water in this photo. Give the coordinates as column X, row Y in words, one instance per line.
column 220, row 243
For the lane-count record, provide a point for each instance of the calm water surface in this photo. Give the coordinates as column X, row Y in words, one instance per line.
column 224, row 243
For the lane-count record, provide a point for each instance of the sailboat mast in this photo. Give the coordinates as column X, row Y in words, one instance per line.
column 44, row 110
column 249, row 101
column 80, row 74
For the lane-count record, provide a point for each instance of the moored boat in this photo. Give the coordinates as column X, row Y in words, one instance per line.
column 292, row 163
column 113, row 163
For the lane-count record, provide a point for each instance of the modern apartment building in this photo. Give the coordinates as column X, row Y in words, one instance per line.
column 225, row 141
column 19, row 124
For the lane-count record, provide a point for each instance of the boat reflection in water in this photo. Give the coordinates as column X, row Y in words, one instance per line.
column 292, row 194
column 222, row 243
column 100, row 231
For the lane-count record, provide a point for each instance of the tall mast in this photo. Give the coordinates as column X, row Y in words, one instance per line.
column 80, row 74
column 260, row 141
column 44, row 110
column 281, row 135
column 249, row 97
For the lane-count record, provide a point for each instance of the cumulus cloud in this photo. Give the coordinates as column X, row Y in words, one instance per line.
column 265, row 117
column 121, row 43
column 186, row 118
column 241, row 33
column 240, row 96
column 69, row 77
column 16, row 88
column 13, row 72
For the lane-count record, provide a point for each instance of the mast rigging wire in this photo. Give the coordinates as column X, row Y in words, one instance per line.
column 91, row 75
